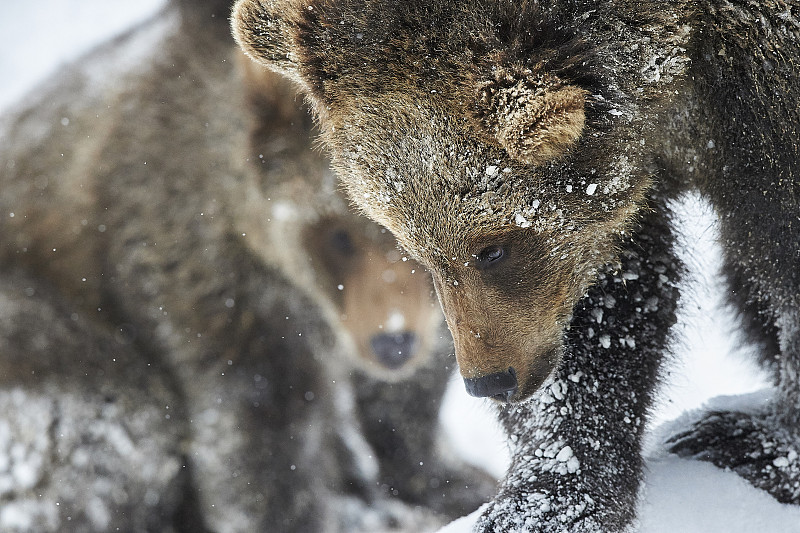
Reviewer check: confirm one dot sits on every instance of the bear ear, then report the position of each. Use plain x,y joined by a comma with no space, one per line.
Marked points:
264,29
535,117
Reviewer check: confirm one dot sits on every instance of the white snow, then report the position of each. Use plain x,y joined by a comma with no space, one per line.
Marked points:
37,37
679,495
521,221
605,341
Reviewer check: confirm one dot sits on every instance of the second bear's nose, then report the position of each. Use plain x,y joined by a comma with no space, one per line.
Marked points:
500,385
393,349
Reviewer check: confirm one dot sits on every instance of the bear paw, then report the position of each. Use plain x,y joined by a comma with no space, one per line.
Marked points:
541,512
754,446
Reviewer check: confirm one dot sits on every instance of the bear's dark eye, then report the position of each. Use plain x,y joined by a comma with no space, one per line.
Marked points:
491,256
341,241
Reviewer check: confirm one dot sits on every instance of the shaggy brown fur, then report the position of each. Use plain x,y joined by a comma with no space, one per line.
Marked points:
526,153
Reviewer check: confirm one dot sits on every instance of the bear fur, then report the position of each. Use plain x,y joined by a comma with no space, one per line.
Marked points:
527,154
182,347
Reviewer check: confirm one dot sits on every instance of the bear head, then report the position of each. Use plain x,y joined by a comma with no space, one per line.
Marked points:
294,215
503,143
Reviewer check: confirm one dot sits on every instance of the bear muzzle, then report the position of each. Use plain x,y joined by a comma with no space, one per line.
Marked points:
500,386
392,350
523,376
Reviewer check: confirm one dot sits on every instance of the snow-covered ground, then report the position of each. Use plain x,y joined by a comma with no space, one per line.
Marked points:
679,496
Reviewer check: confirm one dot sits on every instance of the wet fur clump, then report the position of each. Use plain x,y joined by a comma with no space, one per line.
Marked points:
527,153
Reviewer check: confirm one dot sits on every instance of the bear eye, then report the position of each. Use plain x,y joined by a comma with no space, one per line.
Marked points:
491,256
341,241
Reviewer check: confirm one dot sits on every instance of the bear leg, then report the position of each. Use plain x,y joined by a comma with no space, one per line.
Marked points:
261,422
763,446
401,423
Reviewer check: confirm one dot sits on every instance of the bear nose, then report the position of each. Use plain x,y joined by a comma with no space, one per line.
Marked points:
394,349
500,385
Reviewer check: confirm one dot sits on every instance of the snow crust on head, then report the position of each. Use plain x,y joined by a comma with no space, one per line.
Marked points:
435,185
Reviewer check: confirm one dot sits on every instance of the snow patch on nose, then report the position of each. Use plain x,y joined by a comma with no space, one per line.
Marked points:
396,322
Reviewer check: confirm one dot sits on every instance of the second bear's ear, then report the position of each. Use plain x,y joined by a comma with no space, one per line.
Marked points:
264,29
535,117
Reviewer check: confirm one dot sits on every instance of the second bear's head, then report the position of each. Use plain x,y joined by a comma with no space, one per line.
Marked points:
294,215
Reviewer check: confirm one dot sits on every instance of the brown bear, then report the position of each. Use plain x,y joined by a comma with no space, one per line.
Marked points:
197,334
527,153
380,301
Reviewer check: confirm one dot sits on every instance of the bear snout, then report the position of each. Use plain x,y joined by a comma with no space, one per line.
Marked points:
500,385
392,350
